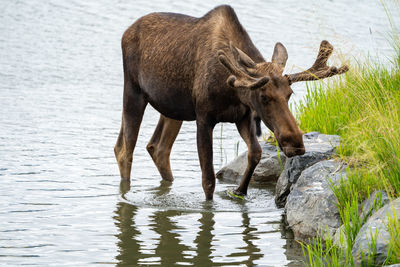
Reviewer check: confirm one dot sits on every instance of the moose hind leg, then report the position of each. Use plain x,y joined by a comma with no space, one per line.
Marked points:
132,114
160,145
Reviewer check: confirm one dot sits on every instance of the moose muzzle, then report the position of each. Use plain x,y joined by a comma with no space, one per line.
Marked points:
291,143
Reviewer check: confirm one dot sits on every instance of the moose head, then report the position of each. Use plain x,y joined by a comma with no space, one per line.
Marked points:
267,91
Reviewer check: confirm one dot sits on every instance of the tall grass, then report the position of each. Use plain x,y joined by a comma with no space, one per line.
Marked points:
394,242
363,107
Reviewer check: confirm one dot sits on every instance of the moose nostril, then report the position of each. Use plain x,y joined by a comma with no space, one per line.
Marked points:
293,151
292,145
291,142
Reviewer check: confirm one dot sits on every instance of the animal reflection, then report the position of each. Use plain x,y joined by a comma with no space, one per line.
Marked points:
168,249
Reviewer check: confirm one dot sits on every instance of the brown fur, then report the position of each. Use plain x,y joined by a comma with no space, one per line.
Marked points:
205,69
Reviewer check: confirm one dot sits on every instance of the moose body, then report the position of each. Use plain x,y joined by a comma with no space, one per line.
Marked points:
206,69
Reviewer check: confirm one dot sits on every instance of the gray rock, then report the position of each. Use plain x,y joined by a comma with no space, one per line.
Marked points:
340,239
376,201
268,169
377,226
318,147
311,205
393,265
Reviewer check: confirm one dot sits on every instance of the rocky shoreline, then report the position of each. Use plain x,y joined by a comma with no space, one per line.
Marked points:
303,190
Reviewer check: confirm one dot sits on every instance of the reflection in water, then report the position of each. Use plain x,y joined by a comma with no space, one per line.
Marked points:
204,239
164,188
128,245
148,236
169,248
248,238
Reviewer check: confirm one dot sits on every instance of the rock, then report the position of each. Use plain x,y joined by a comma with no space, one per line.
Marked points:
340,239
393,265
311,205
377,225
318,147
376,201
268,169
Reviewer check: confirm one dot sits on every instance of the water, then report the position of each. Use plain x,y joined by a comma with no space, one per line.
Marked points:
60,108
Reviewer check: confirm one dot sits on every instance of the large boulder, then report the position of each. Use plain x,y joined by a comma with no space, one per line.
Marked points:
311,204
340,238
376,227
373,203
268,169
318,147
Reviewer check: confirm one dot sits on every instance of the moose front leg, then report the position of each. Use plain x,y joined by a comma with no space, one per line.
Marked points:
205,150
247,131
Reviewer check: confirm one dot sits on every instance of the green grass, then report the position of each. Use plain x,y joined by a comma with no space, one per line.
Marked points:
363,107
318,253
394,242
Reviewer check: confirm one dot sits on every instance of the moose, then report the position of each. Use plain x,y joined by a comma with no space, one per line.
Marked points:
207,69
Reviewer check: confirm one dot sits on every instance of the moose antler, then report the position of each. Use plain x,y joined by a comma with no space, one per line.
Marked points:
319,69
240,78
241,57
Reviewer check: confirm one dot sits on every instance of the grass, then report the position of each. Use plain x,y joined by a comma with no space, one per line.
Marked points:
394,242
363,107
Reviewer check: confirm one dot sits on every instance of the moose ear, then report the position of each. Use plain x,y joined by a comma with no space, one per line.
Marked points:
280,55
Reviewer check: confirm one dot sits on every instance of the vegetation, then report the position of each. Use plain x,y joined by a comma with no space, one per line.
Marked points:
363,107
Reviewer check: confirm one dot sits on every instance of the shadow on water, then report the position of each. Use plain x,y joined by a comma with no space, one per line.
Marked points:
165,245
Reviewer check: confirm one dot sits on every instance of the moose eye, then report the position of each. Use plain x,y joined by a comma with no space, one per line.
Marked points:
264,99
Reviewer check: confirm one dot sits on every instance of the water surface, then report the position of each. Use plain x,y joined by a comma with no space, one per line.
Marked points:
60,108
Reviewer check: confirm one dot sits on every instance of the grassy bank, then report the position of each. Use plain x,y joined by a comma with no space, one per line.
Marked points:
363,107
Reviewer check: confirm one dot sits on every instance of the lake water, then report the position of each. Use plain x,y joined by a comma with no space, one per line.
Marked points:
61,81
